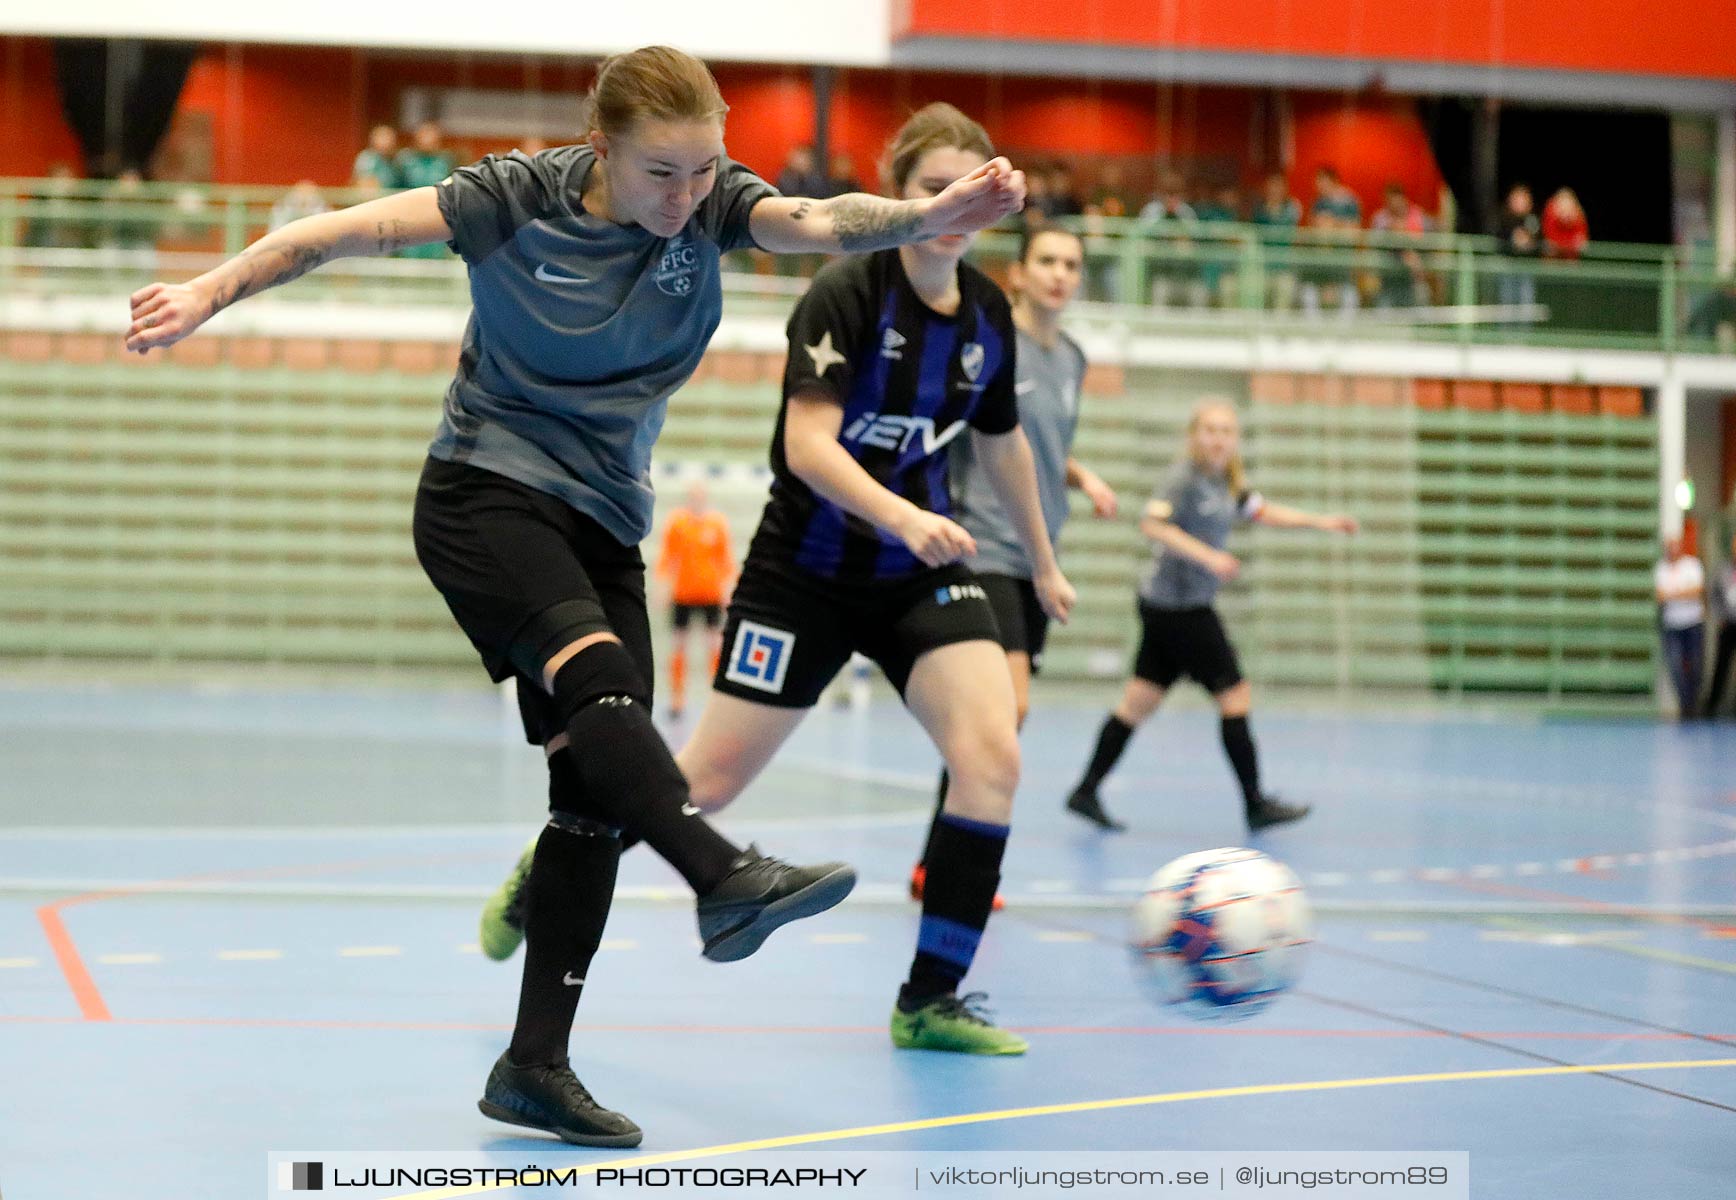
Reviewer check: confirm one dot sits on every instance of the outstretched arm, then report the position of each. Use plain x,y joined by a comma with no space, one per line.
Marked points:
857,221
1279,516
164,313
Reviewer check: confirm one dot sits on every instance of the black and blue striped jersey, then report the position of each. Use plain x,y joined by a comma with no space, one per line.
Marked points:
910,381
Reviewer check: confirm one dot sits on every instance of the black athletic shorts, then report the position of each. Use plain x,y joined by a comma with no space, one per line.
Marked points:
1190,642
1023,623
790,631
525,574
681,615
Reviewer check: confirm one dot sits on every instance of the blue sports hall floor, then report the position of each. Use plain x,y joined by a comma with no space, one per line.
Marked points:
242,920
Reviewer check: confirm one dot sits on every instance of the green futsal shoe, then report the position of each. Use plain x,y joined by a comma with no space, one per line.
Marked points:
502,926
955,1023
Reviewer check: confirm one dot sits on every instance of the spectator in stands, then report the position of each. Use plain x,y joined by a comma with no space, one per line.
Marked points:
1680,583
1168,217
1725,594
841,176
378,159
1713,311
133,228
1333,221
1278,214
425,163
1063,200
1110,197
56,230
1217,271
1403,279
1565,231
1035,214
801,175
1522,240
303,200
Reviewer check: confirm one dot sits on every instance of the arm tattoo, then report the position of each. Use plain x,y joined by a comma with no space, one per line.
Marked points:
393,236
870,223
258,269
801,210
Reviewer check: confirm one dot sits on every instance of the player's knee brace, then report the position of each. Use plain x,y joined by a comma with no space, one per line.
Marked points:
599,673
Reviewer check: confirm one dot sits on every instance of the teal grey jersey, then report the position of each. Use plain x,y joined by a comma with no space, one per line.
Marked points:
1046,387
1200,504
580,328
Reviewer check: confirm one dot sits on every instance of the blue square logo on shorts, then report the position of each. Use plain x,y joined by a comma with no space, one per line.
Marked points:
760,657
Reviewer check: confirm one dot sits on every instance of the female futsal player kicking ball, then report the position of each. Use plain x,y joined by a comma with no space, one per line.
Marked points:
595,284
1188,523
891,358
1051,374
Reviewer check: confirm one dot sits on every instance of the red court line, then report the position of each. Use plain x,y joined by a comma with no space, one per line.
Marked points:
91,1005
1514,891
84,989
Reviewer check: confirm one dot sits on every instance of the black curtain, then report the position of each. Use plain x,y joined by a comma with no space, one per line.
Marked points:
1617,161
119,96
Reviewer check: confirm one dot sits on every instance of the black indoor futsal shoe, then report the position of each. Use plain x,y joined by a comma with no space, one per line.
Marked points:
1085,803
758,895
1272,811
550,1097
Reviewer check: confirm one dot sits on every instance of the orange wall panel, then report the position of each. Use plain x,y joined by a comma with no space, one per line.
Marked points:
1686,38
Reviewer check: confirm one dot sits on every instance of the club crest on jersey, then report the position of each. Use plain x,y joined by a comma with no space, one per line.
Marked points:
971,359
760,657
677,267
888,431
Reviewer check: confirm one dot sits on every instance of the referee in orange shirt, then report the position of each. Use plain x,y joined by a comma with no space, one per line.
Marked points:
699,566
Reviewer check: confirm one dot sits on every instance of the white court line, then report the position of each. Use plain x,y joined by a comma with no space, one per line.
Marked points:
9,963
838,939
370,952
129,960
249,955
617,944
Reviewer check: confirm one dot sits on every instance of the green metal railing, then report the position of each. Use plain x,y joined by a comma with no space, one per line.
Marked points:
60,238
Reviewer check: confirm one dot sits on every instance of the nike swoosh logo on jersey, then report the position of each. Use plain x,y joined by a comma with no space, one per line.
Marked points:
547,276
570,981
688,810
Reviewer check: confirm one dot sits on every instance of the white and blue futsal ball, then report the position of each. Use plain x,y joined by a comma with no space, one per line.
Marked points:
1221,933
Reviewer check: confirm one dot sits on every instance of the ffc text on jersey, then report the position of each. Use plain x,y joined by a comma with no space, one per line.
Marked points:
675,271
760,657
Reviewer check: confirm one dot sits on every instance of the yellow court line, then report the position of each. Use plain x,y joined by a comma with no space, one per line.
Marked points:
1080,1106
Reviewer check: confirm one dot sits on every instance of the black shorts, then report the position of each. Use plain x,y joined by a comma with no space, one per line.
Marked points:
790,632
1190,642
1023,623
525,574
681,615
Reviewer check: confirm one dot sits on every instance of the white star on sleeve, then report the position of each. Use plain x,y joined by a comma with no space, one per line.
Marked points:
823,354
